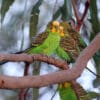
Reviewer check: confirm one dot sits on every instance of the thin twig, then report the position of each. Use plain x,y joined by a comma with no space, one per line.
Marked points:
75,11
78,18
85,11
98,76
54,94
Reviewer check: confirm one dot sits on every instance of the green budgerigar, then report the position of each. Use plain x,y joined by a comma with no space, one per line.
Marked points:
58,40
51,44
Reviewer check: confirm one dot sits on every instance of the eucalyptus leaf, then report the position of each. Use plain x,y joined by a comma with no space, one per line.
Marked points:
36,7
34,19
5,6
96,29
66,10
94,16
33,25
57,14
97,62
94,95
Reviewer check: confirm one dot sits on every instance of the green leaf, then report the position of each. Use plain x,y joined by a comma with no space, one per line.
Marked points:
57,14
36,7
94,95
66,10
96,28
5,6
94,16
33,25
97,62
34,19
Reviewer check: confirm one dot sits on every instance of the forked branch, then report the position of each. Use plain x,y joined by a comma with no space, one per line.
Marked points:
78,18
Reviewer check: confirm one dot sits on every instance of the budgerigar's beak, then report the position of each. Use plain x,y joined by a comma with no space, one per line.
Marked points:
62,34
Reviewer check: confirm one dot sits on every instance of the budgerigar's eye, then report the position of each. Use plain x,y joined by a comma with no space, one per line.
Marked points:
71,22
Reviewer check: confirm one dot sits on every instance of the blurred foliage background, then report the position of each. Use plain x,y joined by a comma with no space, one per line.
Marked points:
21,20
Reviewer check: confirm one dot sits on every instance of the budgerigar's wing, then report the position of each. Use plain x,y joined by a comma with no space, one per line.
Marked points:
48,46
39,39
77,37
69,45
74,34
62,54
72,41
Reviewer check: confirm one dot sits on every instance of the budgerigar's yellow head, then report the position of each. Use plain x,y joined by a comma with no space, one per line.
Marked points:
57,28
56,23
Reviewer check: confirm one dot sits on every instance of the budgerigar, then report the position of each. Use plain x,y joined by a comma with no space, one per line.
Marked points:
60,39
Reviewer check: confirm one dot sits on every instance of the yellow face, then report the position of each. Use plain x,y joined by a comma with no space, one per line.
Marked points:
57,28
56,23
61,31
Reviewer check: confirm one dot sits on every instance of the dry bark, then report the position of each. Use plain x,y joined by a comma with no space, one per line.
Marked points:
11,82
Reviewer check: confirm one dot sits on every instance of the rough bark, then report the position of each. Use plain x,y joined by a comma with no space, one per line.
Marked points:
37,81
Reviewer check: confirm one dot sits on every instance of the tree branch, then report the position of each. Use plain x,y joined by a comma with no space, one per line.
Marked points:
78,18
11,82
75,11
85,11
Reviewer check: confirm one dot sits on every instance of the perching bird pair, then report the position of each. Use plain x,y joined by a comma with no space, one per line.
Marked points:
60,39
